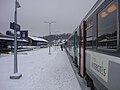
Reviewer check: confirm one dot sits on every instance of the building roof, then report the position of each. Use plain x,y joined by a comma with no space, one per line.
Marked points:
11,38
37,39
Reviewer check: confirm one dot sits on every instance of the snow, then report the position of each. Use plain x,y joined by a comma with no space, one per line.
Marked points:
22,40
3,38
38,39
39,70
11,39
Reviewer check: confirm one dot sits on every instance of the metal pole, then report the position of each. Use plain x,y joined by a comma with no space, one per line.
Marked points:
15,40
49,35
16,75
49,39
55,40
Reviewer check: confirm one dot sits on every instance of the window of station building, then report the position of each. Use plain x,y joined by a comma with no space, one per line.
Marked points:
107,27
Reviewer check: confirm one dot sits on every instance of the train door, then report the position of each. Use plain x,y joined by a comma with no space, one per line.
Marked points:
82,49
76,48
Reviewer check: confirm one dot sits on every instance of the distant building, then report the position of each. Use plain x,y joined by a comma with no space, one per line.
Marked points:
35,41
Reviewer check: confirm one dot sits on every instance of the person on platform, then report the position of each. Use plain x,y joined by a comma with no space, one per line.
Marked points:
61,47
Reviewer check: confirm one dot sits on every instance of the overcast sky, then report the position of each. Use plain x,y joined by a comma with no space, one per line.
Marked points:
33,13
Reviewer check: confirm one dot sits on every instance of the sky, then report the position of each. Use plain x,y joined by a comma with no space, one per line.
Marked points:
33,13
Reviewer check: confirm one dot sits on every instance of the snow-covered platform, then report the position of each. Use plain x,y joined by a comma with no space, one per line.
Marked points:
40,71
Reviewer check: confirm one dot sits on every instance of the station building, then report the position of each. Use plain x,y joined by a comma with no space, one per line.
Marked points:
36,41
7,43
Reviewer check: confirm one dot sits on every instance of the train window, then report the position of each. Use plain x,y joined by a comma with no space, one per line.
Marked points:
70,42
107,27
89,30
89,22
89,38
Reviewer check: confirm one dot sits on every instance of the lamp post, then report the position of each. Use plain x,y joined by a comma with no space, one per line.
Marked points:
55,39
15,40
50,34
16,75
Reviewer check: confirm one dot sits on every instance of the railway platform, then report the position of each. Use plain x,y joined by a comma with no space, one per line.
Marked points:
40,71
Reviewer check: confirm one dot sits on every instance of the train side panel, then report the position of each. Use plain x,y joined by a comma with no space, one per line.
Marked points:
104,70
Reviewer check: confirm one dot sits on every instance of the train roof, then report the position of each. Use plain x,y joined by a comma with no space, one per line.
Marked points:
92,10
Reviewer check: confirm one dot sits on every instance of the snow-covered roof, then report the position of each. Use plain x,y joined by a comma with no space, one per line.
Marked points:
12,39
3,38
22,40
37,39
90,39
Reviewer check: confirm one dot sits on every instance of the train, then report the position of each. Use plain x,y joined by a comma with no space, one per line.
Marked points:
95,46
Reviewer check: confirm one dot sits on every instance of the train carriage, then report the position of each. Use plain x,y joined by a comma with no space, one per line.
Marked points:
95,46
